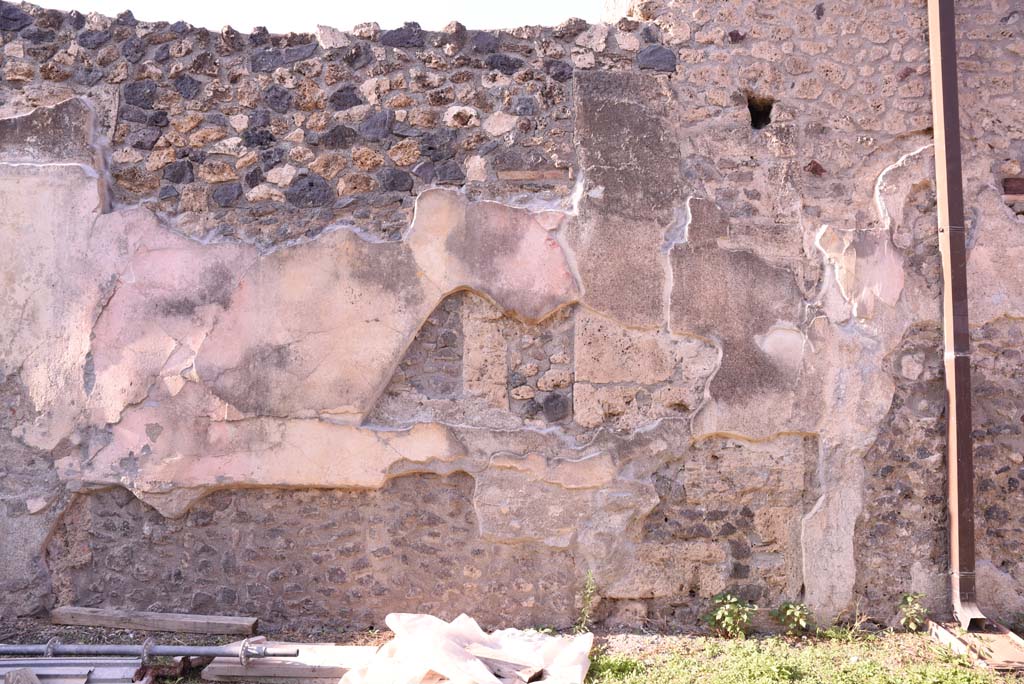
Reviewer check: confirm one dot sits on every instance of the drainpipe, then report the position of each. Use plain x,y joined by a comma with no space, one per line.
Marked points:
955,330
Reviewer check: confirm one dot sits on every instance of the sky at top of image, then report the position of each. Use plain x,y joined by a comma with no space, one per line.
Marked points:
304,16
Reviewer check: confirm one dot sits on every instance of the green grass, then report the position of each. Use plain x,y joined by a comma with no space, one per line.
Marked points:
881,659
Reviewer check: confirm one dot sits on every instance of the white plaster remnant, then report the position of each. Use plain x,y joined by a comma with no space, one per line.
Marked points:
880,185
784,343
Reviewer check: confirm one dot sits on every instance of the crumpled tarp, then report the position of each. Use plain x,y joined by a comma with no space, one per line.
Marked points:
427,649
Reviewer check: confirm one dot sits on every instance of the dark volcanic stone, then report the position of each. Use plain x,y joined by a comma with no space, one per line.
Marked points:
650,34
179,172
438,145
524,105
50,19
88,76
378,125
297,53
356,56
344,98
140,93
133,50
270,158
259,118
556,407
506,64
167,192
257,137
449,172
133,114
404,130
259,36
277,98
424,170
532,408
558,70
12,18
163,53
76,19
309,191
93,39
410,35
254,177
226,194
339,137
395,179
187,86
217,119
41,53
266,60
159,119
36,35
144,138
656,57
483,43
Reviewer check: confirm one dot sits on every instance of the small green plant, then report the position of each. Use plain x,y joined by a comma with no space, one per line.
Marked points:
730,615
587,597
794,617
912,612
611,668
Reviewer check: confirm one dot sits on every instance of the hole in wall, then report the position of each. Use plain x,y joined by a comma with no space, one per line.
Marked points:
760,110
1013,194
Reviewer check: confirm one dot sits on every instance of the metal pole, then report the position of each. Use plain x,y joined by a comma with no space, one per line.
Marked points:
955,329
243,651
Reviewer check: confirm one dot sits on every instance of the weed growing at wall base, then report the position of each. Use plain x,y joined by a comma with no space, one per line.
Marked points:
730,615
587,597
794,617
912,612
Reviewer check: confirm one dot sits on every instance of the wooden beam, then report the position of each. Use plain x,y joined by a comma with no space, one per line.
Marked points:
157,622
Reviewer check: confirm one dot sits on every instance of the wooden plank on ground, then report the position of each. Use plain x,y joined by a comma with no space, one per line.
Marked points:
995,647
159,622
314,662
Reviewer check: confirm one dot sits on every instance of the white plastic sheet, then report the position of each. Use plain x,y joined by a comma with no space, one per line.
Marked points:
428,650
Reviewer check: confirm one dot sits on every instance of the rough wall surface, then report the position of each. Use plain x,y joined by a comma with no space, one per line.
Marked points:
318,327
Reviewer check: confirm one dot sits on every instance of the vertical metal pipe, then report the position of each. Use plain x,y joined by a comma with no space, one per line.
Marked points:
955,328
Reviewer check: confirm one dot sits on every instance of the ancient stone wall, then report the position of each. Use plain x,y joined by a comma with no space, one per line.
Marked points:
318,327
